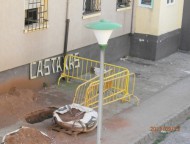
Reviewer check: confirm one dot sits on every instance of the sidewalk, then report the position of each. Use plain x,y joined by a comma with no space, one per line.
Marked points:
163,88
155,111
165,102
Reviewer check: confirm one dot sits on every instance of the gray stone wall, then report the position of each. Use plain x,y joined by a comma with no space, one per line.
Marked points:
154,47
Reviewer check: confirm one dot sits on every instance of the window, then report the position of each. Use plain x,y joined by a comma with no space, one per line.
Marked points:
31,16
123,3
36,15
170,2
146,3
91,6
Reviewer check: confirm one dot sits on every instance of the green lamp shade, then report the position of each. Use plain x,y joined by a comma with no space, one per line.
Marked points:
103,25
103,30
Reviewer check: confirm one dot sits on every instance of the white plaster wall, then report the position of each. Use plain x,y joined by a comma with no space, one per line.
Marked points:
79,36
147,19
159,19
170,16
18,48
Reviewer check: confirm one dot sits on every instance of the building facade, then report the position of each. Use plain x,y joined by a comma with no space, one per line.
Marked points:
157,29
32,34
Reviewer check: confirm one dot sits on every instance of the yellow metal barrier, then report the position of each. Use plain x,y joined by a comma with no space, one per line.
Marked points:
83,68
116,87
118,82
80,92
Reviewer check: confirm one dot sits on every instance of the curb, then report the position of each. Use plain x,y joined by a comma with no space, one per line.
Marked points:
174,120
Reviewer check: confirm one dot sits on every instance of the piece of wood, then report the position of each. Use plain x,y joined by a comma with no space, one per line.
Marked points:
58,128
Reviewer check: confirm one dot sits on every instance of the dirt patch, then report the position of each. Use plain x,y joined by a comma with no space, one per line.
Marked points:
116,123
16,104
40,115
72,115
27,136
23,83
14,91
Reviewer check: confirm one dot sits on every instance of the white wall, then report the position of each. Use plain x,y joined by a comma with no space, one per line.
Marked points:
18,48
170,16
159,19
79,36
147,19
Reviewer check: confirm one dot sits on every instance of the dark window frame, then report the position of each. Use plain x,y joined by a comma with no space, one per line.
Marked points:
146,3
123,3
36,15
31,16
91,6
170,2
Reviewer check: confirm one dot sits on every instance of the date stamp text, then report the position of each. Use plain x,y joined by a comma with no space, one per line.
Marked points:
165,128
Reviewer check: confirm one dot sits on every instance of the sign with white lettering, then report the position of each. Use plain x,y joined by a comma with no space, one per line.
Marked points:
52,65
72,62
45,67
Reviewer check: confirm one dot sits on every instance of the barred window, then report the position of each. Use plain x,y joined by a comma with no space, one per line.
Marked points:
123,3
36,14
91,6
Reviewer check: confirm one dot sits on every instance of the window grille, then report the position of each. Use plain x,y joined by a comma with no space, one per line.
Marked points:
36,14
123,3
91,6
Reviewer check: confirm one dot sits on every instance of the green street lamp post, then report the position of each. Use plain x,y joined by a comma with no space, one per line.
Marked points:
102,30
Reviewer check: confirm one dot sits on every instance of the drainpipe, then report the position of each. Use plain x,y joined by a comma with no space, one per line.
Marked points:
132,16
66,30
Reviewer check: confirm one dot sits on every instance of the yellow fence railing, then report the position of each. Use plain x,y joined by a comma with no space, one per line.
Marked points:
81,90
83,68
118,82
116,87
